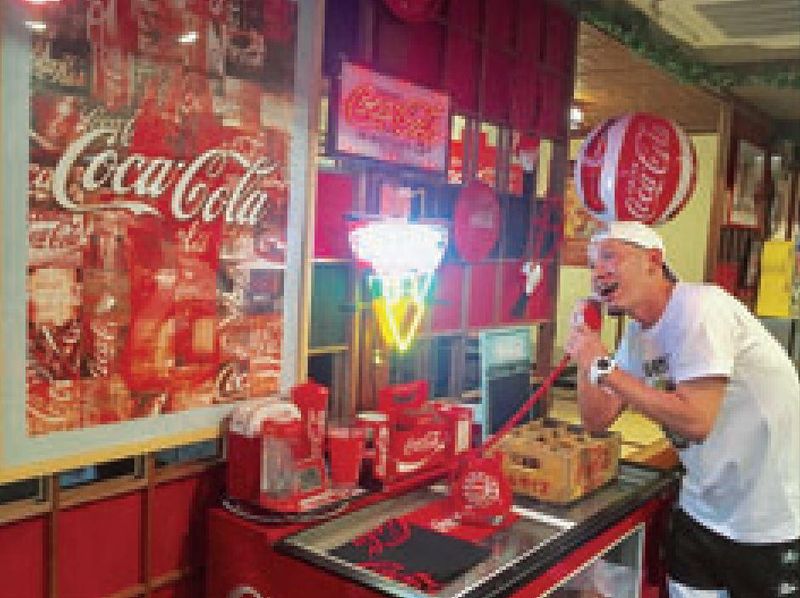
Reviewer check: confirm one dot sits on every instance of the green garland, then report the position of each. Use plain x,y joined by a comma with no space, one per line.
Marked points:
634,30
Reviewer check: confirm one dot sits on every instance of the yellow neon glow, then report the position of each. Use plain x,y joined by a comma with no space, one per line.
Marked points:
392,315
400,307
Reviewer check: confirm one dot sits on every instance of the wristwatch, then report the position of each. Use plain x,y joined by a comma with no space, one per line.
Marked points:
600,368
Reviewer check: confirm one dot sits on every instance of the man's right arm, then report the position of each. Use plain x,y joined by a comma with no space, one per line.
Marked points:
599,406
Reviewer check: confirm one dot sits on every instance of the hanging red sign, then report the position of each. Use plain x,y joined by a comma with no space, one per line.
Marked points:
388,119
476,222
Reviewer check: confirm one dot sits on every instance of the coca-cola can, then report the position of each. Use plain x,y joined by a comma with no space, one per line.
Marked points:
460,423
376,426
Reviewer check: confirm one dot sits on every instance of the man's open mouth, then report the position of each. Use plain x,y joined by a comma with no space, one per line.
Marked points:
605,289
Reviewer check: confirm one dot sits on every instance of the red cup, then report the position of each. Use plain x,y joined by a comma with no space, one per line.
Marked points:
346,449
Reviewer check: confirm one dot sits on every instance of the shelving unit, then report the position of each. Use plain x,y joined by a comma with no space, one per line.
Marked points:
508,67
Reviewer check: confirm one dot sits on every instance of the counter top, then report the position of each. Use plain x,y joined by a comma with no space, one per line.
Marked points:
540,537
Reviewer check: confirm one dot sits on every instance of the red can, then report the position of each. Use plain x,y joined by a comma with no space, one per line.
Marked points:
376,427
312,400
459,418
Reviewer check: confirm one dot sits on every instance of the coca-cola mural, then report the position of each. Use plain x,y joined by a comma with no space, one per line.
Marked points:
157,207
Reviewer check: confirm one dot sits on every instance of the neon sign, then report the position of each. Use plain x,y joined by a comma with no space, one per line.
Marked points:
373,110
402,276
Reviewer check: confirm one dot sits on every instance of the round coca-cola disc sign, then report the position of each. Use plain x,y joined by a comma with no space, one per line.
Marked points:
414,11
636,167
476,222
588,167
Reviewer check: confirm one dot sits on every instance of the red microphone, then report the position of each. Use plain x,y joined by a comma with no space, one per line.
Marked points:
592,314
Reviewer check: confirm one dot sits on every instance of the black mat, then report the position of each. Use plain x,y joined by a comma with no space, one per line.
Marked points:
412,555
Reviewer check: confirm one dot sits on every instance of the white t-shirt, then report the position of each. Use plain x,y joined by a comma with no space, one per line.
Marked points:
743,480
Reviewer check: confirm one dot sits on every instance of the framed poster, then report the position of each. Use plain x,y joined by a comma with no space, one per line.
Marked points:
748,185
154,184
390,120
781,204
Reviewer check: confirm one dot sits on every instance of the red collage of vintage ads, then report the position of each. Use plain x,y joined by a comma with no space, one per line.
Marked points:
157,207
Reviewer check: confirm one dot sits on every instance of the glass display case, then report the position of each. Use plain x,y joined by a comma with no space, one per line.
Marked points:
512,556
614,573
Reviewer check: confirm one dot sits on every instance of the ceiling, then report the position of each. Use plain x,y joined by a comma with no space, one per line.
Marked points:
612,80
743,35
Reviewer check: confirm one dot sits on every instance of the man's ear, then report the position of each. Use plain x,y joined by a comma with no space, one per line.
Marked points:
654,260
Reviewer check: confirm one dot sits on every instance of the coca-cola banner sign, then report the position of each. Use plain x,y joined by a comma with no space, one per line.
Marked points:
383,118
150,290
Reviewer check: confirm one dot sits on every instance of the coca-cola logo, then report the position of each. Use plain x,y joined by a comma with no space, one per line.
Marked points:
53,234
430,442
412,120
147,179
484,219
481,489
648,172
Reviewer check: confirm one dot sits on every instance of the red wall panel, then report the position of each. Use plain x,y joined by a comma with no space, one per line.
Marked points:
411,52
446,311
524,109
179,524
553,104
425,55
496,93
462,64
500,23
529,30
98,549
334,201
22,558
482,284
465,14
558,43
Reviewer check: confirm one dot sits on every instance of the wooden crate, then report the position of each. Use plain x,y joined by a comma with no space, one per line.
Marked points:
559,463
